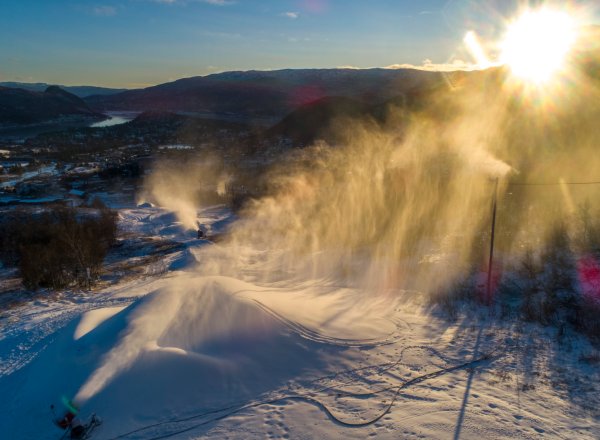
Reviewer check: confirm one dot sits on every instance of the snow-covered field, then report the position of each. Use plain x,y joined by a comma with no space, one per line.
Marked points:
178,354
44,171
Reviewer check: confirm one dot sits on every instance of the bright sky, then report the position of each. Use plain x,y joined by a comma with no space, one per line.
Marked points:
135,43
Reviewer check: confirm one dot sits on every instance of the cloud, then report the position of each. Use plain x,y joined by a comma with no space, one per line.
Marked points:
437,67
292,15
426,65
104,11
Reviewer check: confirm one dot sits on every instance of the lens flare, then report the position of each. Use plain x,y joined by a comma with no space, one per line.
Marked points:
476,50
537,44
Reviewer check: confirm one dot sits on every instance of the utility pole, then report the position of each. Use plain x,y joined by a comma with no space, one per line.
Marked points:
491,261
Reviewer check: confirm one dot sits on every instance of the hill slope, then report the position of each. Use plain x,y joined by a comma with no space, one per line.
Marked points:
268,93
18,106
314,120
189,356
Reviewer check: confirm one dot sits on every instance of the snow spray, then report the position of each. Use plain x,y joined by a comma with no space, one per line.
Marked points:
403,203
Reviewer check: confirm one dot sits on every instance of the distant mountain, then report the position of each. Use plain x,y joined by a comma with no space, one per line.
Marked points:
268,93
18,106
81,91
321,119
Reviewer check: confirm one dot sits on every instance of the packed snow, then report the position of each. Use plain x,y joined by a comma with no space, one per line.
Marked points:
181,354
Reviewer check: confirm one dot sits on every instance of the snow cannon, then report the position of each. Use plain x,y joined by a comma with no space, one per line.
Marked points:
71,424
69,415
69,420
201,233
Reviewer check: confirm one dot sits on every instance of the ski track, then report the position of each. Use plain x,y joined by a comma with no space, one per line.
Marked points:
30,339
315,336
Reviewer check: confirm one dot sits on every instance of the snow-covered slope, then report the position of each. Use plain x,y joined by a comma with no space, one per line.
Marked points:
196,356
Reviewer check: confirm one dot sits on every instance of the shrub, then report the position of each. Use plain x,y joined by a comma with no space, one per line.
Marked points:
60,247
529,273
588,228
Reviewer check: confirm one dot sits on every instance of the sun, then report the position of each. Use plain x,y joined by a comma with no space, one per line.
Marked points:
537,43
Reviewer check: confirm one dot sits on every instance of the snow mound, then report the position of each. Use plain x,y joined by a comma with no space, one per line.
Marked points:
92,319
200,343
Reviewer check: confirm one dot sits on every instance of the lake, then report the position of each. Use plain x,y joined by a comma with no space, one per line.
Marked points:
115,118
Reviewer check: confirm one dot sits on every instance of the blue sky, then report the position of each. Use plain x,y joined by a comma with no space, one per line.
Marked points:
134,43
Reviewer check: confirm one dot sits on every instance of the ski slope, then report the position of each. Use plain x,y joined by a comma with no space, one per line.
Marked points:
185,355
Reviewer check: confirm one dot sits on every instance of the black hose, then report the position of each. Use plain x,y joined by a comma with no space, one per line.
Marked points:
308,398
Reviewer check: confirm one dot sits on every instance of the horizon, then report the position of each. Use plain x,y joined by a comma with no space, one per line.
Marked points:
424,68
141,43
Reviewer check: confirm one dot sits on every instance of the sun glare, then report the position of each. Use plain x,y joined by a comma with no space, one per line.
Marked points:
537,44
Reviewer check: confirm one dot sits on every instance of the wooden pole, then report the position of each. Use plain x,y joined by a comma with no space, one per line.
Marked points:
491,260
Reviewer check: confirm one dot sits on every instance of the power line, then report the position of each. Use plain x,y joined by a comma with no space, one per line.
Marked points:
551,183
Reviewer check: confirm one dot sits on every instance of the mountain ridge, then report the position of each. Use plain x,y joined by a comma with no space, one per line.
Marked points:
80,91
19,106
268,93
